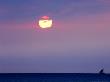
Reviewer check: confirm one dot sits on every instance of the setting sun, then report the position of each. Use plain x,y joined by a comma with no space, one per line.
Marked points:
45,22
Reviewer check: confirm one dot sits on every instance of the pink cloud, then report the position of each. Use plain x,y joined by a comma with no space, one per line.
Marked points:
94,21
98,21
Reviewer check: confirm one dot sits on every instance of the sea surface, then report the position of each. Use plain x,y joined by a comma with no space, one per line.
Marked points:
54,77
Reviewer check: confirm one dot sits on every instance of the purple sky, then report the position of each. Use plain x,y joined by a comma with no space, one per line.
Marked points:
78,42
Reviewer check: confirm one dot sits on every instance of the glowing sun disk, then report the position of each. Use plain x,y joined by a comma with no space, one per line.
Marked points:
45,22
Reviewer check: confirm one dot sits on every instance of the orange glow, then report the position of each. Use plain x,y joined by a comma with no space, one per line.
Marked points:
45,22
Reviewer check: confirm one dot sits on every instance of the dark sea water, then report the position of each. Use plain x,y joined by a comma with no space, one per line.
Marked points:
54,77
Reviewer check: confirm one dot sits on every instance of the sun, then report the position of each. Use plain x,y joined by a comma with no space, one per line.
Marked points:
45,22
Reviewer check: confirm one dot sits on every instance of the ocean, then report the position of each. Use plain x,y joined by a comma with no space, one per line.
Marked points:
54,77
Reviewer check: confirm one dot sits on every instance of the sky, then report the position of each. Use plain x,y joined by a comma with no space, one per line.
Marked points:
78,42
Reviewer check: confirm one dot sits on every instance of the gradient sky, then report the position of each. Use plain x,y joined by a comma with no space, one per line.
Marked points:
78,42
